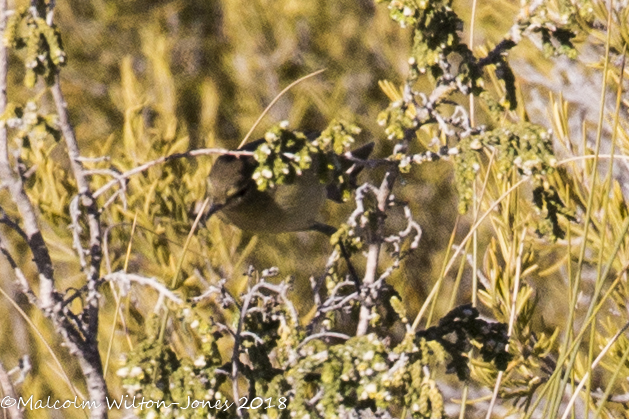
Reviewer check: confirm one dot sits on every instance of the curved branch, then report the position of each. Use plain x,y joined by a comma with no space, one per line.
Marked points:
164,159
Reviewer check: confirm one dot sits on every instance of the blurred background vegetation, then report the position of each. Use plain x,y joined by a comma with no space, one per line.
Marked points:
147,78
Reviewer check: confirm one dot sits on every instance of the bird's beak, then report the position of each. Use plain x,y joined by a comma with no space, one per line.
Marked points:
214,208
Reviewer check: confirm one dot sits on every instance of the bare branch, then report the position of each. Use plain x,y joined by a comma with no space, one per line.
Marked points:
323,335
124,281
13,182
87,201
373,252
4,219
21,278
148,165
75,213
81,341
9,392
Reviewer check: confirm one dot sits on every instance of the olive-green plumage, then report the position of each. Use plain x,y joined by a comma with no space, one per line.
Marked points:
283,208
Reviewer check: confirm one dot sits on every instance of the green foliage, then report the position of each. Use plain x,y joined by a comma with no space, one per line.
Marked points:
435,26
338,136
524,149
32,128
396,119
44,50
154,371
285,154
281,157
309,377
547,200
557,32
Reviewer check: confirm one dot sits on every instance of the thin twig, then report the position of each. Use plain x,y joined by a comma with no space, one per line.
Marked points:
462,246
514,309
164,159
9,393
124,279
585,377
274,101
82,340
323,335
19,274
373,252
41,255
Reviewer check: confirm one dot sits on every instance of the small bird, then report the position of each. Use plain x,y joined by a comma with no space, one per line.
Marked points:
284,208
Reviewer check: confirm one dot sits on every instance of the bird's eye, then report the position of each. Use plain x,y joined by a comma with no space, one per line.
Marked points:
236,193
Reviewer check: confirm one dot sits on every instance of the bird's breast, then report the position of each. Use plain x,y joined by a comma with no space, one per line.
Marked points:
285,208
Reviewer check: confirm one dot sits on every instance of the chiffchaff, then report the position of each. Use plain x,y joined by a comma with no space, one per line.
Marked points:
283,208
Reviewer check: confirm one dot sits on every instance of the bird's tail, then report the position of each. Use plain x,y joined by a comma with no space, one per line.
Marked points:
351,164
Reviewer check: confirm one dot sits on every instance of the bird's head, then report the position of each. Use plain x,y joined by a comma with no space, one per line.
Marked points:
230,181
